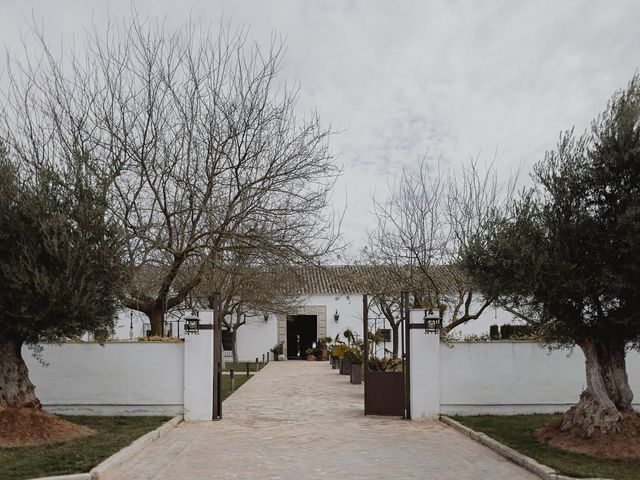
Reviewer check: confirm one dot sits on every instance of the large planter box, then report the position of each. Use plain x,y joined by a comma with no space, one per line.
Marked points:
356,374
346,366
384,393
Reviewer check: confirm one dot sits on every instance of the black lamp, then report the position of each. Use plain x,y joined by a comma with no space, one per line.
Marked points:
192,323
266,317
432,322
336,316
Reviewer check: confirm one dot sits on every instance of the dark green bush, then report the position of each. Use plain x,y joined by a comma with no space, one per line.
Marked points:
506,331
494,332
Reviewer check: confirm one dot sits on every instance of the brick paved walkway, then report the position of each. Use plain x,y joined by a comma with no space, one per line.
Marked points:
299,420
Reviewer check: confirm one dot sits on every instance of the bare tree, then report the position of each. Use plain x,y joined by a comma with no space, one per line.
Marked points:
249,287
422,224
195,145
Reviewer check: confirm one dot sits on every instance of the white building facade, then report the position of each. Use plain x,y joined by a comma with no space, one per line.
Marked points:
330,301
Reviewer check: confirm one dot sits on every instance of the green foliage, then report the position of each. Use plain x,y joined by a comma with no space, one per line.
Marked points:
158,338
278,349
339,350
354,354
565,255
61,259
494,332
385,364
506,331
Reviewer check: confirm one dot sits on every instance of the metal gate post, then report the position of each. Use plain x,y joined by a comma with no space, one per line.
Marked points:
365,323
217,359
407,355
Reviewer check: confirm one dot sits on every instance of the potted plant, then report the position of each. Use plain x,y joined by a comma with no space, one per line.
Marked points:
323,346
277,350
336,354
311,354
354,356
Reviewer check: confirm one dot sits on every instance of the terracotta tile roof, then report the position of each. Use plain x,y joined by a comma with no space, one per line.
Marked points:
337,279
334,279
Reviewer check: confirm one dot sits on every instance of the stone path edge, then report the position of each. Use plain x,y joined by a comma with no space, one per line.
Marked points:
121,455
542,471
130,450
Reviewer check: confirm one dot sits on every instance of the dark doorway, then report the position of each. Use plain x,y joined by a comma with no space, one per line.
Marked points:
301,334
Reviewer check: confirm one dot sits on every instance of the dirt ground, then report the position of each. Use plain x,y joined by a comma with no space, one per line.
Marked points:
625,444
20,427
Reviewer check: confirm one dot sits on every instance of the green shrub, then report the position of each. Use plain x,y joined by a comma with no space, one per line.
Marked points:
494,332
354,354
338,351
158,338
506,331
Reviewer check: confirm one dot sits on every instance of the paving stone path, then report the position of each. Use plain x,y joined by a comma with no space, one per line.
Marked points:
301,420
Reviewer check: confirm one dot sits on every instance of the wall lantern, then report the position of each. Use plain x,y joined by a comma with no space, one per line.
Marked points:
432,323
192,323
336,316
266,317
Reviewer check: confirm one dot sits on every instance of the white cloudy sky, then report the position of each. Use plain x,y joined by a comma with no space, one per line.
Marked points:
398,78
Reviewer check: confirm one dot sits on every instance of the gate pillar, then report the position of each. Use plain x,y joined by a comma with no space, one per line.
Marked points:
424,369
198,371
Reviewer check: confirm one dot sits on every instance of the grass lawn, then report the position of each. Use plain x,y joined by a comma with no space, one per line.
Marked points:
226,384
517,431
77,456
241,367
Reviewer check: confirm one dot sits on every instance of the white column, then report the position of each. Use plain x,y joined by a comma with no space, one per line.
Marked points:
198,372
425,371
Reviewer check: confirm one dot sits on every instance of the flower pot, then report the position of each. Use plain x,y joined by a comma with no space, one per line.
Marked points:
334,363
340,366
346,366
311,358
325,353
356,374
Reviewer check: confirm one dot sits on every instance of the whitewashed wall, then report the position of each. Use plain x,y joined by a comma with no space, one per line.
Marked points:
490,316
257,337
127,378
348,306
515,377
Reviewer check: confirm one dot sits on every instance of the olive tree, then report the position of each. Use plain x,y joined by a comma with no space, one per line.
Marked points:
60,271
565,256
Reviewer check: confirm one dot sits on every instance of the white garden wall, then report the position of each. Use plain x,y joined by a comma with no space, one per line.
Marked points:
514,377
126,378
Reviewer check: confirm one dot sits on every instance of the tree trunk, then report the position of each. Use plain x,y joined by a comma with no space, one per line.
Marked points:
16,390
156,319
607,395
234,345
395,330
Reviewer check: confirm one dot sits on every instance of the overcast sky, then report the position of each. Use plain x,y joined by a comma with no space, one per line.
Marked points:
400,78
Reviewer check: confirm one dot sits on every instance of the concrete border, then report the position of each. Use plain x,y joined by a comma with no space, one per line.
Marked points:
129,451
73,476
528,463
121,455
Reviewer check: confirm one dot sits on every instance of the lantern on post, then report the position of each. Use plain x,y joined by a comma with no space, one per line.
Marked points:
192,323
432,322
